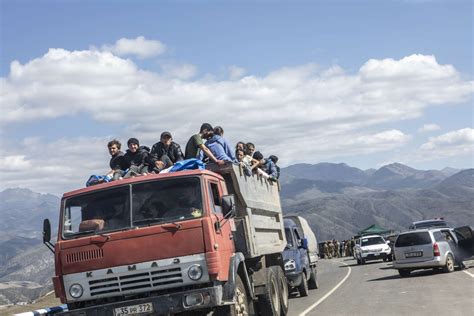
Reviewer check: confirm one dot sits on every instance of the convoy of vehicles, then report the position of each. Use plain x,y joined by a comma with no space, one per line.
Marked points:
197,240
300,255
371,247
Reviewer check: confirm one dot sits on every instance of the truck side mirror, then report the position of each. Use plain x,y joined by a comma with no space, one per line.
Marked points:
47,235
228,205
46,231
304,243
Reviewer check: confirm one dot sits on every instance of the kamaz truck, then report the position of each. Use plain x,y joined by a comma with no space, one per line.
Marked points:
187,242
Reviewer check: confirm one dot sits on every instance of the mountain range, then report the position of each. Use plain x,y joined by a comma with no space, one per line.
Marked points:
337,200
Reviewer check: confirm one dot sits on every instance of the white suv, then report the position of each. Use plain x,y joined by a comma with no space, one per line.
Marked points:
372,247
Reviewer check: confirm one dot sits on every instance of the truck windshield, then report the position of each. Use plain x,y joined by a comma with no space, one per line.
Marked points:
152,202
166,201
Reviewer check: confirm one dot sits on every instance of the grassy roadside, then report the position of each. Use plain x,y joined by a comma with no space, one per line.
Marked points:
43,302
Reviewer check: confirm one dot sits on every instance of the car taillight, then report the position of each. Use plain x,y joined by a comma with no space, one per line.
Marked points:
436,250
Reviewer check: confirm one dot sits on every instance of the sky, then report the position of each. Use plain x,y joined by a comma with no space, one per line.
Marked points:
366,83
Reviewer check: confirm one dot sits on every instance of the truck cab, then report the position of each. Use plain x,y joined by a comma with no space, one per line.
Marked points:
300,268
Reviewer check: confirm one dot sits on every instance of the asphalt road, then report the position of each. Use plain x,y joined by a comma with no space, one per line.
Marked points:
377,289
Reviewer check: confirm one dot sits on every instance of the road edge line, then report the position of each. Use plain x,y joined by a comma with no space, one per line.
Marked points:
468,273
328,293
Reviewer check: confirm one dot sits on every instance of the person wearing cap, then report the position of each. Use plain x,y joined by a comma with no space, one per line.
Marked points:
195,144
136,158
164,153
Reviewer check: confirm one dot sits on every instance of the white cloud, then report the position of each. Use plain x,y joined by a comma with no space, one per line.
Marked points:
13,163
428,128
236,72
302,113
179,71
454,143
140,47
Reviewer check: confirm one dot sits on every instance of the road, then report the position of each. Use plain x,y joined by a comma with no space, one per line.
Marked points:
377,289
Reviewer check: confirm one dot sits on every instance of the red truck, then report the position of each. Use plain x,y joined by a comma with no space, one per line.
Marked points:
185,242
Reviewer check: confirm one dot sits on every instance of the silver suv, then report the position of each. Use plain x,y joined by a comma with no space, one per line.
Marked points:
426,249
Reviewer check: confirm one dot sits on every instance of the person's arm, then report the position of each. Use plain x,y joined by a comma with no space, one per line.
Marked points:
178,152
210,155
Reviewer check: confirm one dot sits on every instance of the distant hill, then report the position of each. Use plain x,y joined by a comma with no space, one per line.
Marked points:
26,266
337,209
324,171
398,176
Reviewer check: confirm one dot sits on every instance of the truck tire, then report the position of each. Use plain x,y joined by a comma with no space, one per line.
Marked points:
269,302
241,302
303,287
313,279
283,289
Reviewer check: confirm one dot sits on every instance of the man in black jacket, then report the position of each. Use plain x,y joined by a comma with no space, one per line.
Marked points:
165,153
117,162
136,158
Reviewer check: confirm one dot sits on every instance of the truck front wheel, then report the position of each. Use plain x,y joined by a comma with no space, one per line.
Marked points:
303,287
313,279
269,302
241,303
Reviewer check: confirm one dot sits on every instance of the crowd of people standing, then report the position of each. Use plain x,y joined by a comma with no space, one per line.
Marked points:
337,249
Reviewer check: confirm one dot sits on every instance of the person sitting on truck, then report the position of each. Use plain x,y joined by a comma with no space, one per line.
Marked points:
117,162
275,160
164,153
249,149
244,161
136,158
195,144
219,146
258,163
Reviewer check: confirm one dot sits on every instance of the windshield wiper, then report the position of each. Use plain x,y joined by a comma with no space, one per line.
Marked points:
148,220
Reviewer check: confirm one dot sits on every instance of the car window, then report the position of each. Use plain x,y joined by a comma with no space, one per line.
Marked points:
372,241
438,236
413,239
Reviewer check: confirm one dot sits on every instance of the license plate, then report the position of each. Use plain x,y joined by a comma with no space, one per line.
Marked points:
414,254
134,309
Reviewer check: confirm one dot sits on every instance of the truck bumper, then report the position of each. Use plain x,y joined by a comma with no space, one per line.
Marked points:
294,278
162,304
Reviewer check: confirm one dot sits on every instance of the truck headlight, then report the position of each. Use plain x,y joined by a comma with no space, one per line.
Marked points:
290,265
76,290
195,272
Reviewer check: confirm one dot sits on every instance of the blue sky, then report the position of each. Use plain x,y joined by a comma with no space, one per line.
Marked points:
361,82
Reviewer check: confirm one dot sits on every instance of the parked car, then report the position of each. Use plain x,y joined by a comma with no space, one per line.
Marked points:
433,248
372,247
300,255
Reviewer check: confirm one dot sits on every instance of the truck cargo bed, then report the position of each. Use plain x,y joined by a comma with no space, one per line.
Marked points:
259,220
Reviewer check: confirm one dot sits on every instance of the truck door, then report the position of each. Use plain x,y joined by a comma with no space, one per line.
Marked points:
302,251
223,231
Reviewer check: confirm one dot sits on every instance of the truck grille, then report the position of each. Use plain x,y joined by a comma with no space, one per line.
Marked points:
131,283
87,255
